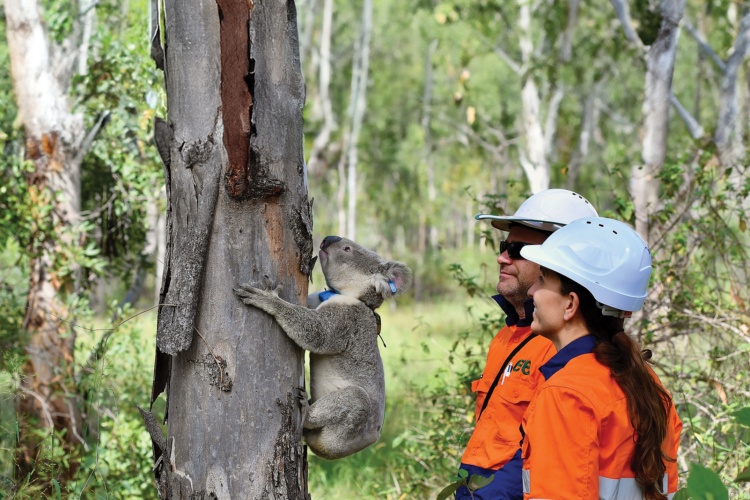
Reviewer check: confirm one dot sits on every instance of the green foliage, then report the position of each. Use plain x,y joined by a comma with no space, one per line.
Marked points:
704,484
648,17
472,482
469,135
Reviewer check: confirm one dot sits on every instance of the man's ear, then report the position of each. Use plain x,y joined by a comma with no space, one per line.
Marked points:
572,306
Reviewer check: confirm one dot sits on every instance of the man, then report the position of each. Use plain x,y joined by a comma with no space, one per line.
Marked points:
511,373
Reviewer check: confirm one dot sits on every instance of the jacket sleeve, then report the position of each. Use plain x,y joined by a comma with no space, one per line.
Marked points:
560,448
673,444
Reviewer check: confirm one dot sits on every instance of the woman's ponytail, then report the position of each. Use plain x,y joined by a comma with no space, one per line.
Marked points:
648,402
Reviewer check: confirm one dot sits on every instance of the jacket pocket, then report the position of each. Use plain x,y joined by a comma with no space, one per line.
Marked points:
508,404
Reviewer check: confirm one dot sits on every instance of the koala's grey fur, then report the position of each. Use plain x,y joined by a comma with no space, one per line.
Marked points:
347,382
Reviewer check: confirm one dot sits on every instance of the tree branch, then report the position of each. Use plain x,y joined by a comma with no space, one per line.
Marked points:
704,47
623,14
88,140
513,65
694,128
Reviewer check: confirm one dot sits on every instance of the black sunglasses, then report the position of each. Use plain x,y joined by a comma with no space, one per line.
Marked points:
513,248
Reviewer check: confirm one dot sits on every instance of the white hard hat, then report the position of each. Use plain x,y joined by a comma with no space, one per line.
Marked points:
547,210
605,256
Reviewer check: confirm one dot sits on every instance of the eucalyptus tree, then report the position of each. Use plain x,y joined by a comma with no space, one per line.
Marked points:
56,141
238,212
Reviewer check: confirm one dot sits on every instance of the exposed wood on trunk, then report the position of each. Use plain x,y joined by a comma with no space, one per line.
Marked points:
53,139
234,88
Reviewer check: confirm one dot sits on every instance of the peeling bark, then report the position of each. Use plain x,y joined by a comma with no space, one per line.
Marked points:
237,211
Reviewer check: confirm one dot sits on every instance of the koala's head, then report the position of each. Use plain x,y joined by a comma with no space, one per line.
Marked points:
358,272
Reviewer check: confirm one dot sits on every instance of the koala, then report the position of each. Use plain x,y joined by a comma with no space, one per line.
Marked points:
340,329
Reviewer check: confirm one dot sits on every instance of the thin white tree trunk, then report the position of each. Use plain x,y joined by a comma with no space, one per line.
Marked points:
341,190
644,183
533,156
88,13
322,140
728,135
53,140
589,119
427,157
358,104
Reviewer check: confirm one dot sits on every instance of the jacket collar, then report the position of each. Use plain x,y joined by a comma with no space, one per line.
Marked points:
582,345
511,316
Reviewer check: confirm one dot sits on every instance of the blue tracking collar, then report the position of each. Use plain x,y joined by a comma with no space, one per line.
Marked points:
327,294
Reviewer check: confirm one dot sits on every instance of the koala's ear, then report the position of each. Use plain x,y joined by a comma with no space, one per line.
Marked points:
399,275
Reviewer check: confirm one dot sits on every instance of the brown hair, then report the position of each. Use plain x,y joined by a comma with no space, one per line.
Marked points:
648,402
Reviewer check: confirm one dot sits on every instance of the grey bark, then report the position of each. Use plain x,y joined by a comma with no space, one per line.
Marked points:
589,122
623,14
705,49
321,143
644,183
357,106
728,134
237,211
426,123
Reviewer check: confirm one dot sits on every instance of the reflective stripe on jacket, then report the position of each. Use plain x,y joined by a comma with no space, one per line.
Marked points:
578,437
494,446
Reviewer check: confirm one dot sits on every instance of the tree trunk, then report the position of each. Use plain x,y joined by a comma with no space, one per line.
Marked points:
728,135
237,212
318,158
53,140
357,106
644,183
533,156
427,157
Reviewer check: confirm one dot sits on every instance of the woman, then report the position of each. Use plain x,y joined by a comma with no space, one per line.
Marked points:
601,425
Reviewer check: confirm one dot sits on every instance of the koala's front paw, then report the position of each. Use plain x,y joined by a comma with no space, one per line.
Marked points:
249,294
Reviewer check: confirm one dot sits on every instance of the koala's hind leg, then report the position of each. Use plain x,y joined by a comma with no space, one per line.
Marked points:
341,423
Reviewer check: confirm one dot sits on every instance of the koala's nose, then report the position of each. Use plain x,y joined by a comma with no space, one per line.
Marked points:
329,240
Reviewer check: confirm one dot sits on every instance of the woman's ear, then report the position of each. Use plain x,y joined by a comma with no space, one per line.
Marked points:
572,306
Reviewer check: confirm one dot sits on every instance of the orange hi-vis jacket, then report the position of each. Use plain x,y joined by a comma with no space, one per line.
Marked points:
494,446
578,439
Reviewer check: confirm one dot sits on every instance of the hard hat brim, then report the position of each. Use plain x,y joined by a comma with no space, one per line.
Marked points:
621,301
504,223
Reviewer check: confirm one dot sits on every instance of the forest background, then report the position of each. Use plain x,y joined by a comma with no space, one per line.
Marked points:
419,114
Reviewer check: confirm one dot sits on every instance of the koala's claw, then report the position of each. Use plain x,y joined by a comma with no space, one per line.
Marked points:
246,290
303,403
301,394
267,284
